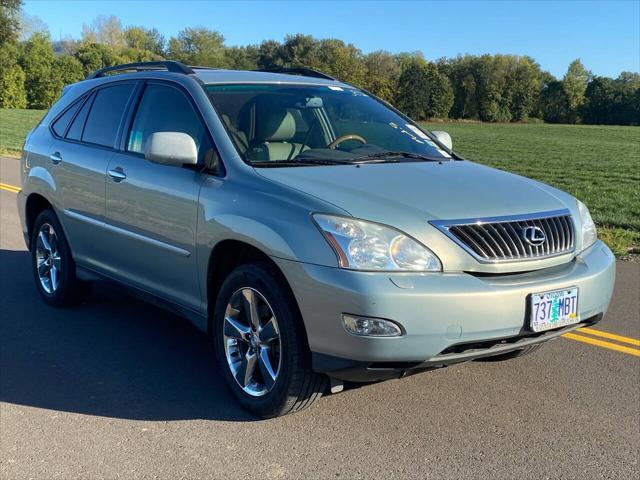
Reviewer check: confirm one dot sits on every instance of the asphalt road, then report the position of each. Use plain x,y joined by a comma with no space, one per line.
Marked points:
115,388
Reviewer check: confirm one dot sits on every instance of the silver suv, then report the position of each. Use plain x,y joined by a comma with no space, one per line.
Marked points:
316,233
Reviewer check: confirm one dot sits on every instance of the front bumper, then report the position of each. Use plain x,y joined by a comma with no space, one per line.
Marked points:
436,310
21,200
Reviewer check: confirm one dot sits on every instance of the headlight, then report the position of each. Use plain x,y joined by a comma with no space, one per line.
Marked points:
589,234
363,245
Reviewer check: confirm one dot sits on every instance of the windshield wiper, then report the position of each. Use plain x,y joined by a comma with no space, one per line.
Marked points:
299,162
391,155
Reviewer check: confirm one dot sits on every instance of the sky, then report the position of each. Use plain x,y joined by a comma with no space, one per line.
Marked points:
605,35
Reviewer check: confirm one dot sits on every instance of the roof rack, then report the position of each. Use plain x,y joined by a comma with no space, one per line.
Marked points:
169,65
202,67
302,71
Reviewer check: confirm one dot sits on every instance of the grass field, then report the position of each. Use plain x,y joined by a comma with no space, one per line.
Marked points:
600,165
14,125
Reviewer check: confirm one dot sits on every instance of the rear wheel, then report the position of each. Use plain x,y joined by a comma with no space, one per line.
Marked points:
515,354
261,345
53,267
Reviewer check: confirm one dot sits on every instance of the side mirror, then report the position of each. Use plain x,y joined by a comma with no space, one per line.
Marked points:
171,148
444,138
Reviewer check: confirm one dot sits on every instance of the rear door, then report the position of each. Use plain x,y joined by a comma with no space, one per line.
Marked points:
86,139
152,209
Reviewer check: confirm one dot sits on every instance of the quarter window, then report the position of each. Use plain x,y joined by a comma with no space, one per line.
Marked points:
75,131
105,115
61,124
166,109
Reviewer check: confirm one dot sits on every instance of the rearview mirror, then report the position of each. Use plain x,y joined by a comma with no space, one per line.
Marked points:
171,148
444,138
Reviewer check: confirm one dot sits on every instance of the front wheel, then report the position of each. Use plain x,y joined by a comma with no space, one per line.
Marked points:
260,343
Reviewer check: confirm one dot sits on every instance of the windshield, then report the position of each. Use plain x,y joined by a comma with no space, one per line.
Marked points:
274,125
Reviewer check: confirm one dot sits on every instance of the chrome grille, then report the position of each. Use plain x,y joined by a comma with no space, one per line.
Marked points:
514,238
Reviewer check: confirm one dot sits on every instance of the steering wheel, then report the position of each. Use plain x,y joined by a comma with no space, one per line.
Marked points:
344,138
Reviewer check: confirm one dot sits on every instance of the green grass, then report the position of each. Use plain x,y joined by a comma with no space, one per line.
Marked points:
14,126
599,165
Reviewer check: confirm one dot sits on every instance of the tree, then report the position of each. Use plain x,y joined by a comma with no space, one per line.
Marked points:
413,90
329,55
423,92
12,93
129,55
298,51
382,74
634,108
526,79
9,20
575,83
493,88
68,70
338,59
629,109
147,39
242,58
612,102
106,30
545,80
93,56
198,46
37,60
554,104
270,55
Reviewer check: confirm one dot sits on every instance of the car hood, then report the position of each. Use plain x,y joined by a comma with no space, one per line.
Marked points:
409,195
391,192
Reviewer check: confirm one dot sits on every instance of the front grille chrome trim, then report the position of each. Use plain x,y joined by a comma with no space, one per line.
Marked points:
498,239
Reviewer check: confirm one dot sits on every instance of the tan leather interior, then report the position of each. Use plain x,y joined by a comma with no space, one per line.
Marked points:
270,129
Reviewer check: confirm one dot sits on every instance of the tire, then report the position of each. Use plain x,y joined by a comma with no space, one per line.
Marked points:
296,385
62,288
515,354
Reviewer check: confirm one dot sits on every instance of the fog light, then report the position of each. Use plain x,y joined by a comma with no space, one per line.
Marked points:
370,327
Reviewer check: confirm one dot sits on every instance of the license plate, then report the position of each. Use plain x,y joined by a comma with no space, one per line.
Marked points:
554,309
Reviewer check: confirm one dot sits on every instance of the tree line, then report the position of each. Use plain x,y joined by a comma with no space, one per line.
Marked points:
491,88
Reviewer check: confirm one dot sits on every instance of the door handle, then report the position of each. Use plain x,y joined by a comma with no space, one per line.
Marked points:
55,158
117,174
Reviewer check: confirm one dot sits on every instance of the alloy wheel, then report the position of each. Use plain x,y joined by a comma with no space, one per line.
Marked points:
252,342
48,260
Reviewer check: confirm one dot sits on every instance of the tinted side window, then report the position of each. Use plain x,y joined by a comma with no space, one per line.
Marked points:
61,124
166,109
105,115
75,131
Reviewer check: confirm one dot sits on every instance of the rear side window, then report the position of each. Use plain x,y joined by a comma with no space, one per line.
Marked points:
166,109
105,115
75,131
61,124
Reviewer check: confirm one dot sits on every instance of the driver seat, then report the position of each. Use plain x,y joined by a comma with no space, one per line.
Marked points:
274,128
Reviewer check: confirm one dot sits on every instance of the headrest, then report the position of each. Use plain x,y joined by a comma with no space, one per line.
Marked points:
275,125
226,119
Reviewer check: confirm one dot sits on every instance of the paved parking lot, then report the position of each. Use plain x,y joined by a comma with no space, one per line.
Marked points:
115,388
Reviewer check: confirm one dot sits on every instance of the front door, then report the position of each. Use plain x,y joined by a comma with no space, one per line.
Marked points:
152,209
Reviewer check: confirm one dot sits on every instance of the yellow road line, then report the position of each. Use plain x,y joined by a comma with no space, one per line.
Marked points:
610,336
603,344
9,188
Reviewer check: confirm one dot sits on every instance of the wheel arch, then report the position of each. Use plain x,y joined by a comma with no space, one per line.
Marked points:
34,206
224,258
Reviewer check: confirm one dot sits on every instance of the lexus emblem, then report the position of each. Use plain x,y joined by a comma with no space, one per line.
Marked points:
534,236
